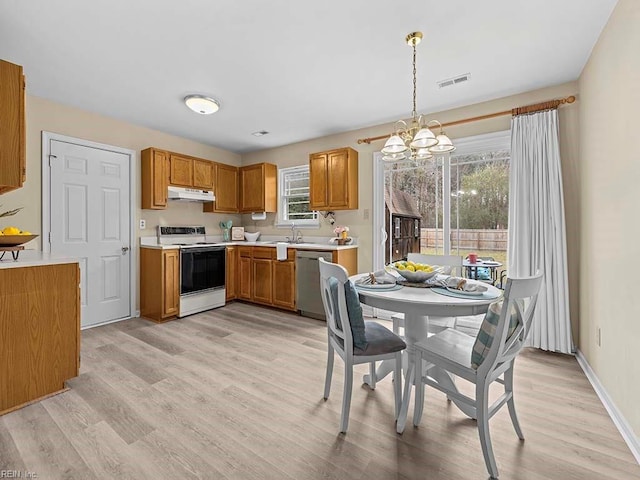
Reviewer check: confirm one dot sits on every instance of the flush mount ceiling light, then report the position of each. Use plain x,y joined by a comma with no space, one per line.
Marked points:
201,104
415,140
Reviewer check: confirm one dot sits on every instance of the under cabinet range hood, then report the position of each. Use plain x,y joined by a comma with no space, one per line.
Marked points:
190,194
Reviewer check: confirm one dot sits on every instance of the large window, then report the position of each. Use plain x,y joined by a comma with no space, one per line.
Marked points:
462,199
294,198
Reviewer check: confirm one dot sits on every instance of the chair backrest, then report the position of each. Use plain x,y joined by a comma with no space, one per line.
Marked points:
452,262
520,294
335,308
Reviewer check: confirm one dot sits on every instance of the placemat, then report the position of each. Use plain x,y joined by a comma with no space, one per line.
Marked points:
449,293
376,289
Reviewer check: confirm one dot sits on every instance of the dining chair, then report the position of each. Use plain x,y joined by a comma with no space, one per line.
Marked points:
453,266
488,358
374,341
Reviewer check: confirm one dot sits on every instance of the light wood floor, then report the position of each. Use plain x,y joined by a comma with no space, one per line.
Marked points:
236,393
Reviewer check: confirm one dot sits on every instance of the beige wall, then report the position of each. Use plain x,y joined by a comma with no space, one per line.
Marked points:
298,154
610,194
44,115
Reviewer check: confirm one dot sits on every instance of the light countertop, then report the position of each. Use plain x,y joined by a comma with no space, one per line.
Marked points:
34,258
296,246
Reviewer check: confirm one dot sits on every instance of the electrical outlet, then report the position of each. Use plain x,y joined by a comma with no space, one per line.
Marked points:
143,224
599,337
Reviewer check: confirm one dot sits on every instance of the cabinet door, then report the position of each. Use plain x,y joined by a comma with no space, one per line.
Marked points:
181,171
203,174
12,127
284,284
171,282
231,266
338,179
244,282
252,188
318,181
226,188
155,178
262,281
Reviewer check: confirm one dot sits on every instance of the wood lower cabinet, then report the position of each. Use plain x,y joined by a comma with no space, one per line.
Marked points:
333,179
155,178
244,273
39,332
263,279
231,269
13,166
284,284
259,188
159,283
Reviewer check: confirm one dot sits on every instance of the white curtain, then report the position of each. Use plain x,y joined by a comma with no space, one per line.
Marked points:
537,237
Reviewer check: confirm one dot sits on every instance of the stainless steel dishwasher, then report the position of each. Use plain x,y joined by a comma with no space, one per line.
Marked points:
308,297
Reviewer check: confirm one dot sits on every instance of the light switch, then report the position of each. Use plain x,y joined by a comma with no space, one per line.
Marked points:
365,214
143,224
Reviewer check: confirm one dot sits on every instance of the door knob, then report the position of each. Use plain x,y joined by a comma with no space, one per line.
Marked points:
125,250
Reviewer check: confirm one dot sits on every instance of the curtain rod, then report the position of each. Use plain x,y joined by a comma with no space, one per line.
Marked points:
538,107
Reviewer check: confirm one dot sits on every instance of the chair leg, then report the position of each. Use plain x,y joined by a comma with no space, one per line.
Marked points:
406,396
372,375
346,396
419,398
327,379
508,387
397,383
482,411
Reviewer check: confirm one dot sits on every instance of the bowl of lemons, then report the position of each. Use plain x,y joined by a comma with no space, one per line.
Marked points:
13,236
415,272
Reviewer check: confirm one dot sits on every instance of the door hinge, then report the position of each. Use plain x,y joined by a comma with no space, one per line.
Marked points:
49,237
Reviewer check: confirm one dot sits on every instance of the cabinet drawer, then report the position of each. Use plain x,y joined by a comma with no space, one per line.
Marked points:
245,251
264,252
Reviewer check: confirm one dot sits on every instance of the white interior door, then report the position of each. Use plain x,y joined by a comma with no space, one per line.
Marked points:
90,220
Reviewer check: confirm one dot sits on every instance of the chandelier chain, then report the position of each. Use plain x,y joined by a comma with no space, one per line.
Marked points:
415,111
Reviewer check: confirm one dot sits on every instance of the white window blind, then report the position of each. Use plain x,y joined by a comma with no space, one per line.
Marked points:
294,197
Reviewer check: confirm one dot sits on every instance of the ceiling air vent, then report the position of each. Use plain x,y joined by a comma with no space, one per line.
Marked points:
454,81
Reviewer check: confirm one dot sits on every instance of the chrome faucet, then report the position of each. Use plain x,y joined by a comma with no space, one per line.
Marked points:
296,236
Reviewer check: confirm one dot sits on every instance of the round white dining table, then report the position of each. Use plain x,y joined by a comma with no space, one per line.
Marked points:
418,304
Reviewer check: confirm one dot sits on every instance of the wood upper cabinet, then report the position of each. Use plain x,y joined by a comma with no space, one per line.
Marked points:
333,179
231,269
181,170
159,283
203,174
13,170
225,181
155,178
259,188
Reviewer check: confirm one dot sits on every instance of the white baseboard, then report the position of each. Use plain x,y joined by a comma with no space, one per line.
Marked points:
616,415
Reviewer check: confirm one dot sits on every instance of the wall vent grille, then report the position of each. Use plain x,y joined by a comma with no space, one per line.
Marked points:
454,81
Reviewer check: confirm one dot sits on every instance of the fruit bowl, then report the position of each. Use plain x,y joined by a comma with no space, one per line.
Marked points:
15,240
419,276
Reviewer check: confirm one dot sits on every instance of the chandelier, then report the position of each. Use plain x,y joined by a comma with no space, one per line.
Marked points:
415,141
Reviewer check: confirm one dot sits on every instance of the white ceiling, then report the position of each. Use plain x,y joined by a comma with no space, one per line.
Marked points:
298,69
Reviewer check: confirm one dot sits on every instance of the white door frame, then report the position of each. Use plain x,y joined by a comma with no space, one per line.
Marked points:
47,137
